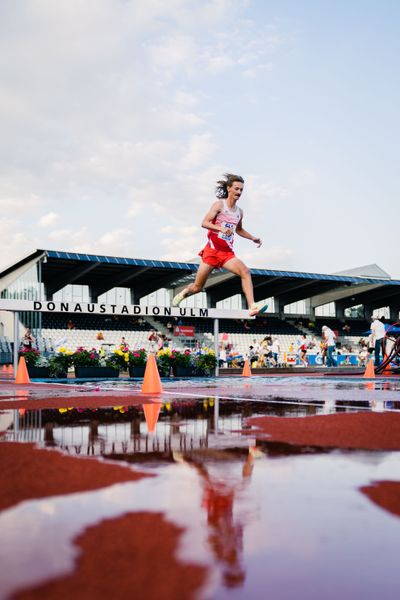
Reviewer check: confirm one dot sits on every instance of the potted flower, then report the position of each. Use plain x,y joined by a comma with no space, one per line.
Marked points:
88,364
36,364
59,363
182,363
118,359
137,360
206,362
163,359
133,361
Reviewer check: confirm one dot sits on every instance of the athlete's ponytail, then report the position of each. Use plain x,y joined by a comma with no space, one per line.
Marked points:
221,190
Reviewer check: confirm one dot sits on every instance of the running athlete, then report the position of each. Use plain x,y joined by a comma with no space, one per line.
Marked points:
222,221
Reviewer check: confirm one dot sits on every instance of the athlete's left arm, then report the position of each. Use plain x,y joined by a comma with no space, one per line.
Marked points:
245,234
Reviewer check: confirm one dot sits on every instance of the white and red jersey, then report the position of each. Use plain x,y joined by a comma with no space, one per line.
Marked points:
229,218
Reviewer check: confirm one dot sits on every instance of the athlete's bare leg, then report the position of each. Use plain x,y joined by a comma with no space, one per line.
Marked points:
203,272
236,266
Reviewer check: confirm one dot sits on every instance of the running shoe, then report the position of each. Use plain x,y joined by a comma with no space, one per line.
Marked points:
255,309
178,299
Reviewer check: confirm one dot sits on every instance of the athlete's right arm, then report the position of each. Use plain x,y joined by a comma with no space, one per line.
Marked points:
207,222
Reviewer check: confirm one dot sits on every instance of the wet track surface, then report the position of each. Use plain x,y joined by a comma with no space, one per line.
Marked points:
268,519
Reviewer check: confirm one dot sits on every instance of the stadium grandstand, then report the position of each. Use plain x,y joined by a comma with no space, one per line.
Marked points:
299,303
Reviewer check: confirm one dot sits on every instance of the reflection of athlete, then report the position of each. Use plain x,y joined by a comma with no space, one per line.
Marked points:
225,534
222,221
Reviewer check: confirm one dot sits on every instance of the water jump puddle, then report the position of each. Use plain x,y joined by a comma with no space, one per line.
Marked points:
263,518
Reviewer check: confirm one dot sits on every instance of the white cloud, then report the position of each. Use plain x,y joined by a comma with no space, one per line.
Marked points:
110,115
200,150
14,243
255,71
274,257
175,51
183,247
117,238
48,219
136,208
14,199
303,177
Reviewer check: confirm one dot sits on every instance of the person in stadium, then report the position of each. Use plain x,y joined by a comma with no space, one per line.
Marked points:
378,331
329,336
28,340
222,221
123,345
302,350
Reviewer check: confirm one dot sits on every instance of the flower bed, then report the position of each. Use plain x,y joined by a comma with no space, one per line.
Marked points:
31,356
125,359
206,362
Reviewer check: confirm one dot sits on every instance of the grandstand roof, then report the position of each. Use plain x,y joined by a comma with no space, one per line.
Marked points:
102,273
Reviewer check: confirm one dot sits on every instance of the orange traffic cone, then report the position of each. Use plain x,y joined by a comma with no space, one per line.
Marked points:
151,412
246,369
151,380
10,369
370,370
4,368
22,372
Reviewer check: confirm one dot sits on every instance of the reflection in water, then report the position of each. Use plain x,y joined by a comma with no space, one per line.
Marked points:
285,520
198,434
226,530
151,413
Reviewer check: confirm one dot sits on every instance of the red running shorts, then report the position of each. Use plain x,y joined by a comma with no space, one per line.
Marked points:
215,258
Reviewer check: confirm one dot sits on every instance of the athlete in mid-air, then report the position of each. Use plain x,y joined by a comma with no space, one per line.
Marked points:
222,221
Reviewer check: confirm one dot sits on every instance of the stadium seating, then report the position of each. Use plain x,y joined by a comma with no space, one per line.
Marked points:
6,350
240,334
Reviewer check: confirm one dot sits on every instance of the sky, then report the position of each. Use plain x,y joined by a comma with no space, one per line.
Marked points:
117,117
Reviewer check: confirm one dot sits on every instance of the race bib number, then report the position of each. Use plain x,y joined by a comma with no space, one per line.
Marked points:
227,238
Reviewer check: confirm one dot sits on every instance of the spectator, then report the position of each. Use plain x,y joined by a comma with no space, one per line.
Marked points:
371,343
323,350
162,341
302,349
329,336
153,338
312,343
124,346
362,356
276,349
100,336
28,340
222,358
266,353
70,325
378,330
270,355
253,357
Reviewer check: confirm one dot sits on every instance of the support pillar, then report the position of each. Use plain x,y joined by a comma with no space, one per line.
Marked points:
135,298
16,342
368,310
279,307
210,300
339,310
394,313
216,345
